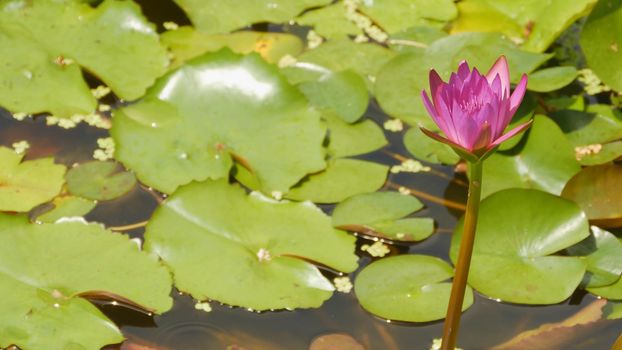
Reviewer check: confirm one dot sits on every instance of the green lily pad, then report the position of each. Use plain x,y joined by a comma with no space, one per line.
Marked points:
611,291
538,23
518,230
366,59
215,108
550,79
344,92
48,270
596,125
247,250
428,149
379,214
99,180
342,178
544,161
216,16
67,207
330,22
186,43
595,189
39,40
415,39
353,139
609,151
600,42
27,184
412,288
396,15
603,254
400,82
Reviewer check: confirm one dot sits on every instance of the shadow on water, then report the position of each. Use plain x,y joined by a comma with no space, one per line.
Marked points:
486,323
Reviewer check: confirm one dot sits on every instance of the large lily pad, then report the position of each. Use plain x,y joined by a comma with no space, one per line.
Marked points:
28,184
218,106
342,178
595,189
48,269
247,250
518,231
600,42
216,16
40,39
396,15
186,43
380,214
536,22
543,160
603,254
401,80
99,180
411,288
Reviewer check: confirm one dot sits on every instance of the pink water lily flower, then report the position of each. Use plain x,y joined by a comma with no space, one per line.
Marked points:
473,110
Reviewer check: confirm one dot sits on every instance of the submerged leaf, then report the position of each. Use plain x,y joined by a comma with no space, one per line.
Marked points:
24,185
335,341
47,269
411,288
518,231
216,108
40,40
99,180
247,250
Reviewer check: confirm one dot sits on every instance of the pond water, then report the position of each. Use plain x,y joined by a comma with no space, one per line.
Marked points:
485,324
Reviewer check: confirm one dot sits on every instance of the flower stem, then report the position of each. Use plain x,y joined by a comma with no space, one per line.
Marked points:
454,309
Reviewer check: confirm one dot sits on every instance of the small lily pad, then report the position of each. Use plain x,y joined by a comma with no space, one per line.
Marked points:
247,250
27,184
216,16
412,288
330,22
342,178
216,108
595,189
603,254
352,139
379,214
344,92
397,15
186,43
517,232
49,270
428,149
550,79
544,160
41,40
67,207
99,180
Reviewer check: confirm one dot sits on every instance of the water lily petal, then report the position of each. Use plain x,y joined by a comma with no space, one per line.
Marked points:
463,70
501,69
511,133
517,95
440,120
436,83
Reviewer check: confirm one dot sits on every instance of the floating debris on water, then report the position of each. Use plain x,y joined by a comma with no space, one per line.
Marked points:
377,250
105,150
343,284
410,166
203,306
20,147
394,125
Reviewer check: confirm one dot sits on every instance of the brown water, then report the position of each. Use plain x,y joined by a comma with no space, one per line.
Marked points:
485,324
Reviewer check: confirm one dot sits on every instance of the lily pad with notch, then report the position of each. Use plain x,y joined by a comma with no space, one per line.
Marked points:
49,272
518,234
247,250
216,108
99,180
41,40
380,214
411,288
24,185
603,253
65,207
